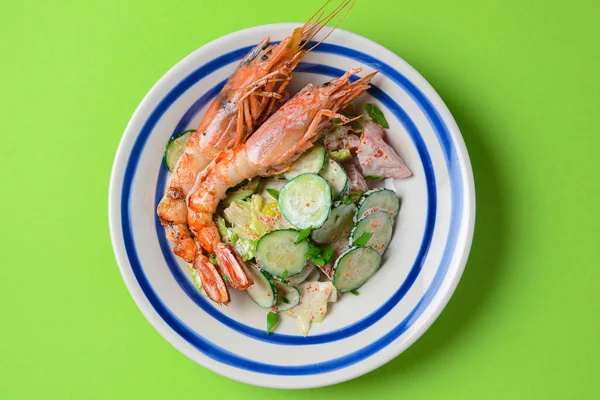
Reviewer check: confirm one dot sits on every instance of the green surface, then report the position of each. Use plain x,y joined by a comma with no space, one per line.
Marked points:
521,78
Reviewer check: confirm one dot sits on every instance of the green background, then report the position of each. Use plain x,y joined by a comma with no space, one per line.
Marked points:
521,78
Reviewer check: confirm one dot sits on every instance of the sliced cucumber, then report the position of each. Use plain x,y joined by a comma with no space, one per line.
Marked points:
338,225
335,175
355,267
277,252
305,201
286,292
241,191
380,226
314,276
312,161
301,277
175,148
377,200
263,291
269,183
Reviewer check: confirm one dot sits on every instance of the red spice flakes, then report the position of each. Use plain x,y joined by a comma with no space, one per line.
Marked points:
346,275
307,204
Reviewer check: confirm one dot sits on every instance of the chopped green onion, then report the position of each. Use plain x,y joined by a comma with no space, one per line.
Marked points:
373,177
352,197
303,235
363,239
355,292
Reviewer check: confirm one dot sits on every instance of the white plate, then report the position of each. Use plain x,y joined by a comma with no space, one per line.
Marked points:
421,269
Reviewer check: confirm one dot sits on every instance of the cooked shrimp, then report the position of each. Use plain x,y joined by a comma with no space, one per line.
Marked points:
271,149
247,99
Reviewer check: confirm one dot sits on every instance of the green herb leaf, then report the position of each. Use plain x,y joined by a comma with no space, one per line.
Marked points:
313,252
376,115
319,261
272,320
285,299
327,253
352,197
225,278
303,235
340,155
213,259
274,193
284,275
363,239
355,292
373,177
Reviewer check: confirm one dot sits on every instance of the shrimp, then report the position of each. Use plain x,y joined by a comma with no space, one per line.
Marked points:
270,150
247,99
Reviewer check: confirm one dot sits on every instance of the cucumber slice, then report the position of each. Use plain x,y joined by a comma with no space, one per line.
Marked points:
314,276
241,191
380,225
269,183
301,277
290,293
305,201
335,175
312,161
175,148
377,200
277,252
355,267
338,225
263,291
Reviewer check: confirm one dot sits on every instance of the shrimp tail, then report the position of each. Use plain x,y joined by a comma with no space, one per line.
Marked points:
233,267
212,282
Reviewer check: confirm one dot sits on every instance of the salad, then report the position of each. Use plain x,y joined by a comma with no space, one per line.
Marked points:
318,230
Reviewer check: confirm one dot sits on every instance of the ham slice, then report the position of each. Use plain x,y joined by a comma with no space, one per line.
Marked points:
377,158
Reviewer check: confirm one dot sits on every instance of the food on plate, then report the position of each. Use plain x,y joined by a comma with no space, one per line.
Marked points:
278,142
247,99
282,197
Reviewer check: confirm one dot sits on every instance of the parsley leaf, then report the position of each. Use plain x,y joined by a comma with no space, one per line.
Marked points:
272,320
376,115
213,259
363,239
274,193
373,177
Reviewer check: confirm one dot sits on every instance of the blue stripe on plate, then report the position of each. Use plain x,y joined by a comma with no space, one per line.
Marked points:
221,355
356,327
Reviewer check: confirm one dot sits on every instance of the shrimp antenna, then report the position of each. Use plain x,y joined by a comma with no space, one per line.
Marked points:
322,21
